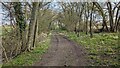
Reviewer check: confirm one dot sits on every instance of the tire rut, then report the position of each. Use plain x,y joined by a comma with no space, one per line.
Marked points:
63,52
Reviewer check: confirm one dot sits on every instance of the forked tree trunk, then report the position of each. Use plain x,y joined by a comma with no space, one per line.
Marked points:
110,16
103,15
32,24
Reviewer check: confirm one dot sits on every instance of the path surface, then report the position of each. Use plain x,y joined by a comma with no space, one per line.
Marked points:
63,52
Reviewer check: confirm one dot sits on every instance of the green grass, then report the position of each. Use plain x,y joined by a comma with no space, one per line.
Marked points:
28,58
0,30
102,48
0,65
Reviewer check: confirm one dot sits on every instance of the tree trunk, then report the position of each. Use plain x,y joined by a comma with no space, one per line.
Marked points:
32,25
91,16
21,25
80,18
119,40
118,23
35,34
116,19
87,16
110,16
103,15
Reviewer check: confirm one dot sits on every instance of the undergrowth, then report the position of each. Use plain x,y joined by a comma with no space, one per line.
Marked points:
28,58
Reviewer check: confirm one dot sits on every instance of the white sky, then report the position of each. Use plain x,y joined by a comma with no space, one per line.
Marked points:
54,6
0,14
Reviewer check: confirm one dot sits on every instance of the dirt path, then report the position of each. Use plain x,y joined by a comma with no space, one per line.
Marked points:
63,52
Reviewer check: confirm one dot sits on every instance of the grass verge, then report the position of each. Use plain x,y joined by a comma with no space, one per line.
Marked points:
28,58
102,48
0,65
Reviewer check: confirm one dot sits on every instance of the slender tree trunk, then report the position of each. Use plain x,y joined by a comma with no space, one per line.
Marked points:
80,18
35,34
118,24
118,40
91,16
87,16
116,19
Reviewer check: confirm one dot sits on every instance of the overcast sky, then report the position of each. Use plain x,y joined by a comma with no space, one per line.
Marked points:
0,14
54,5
